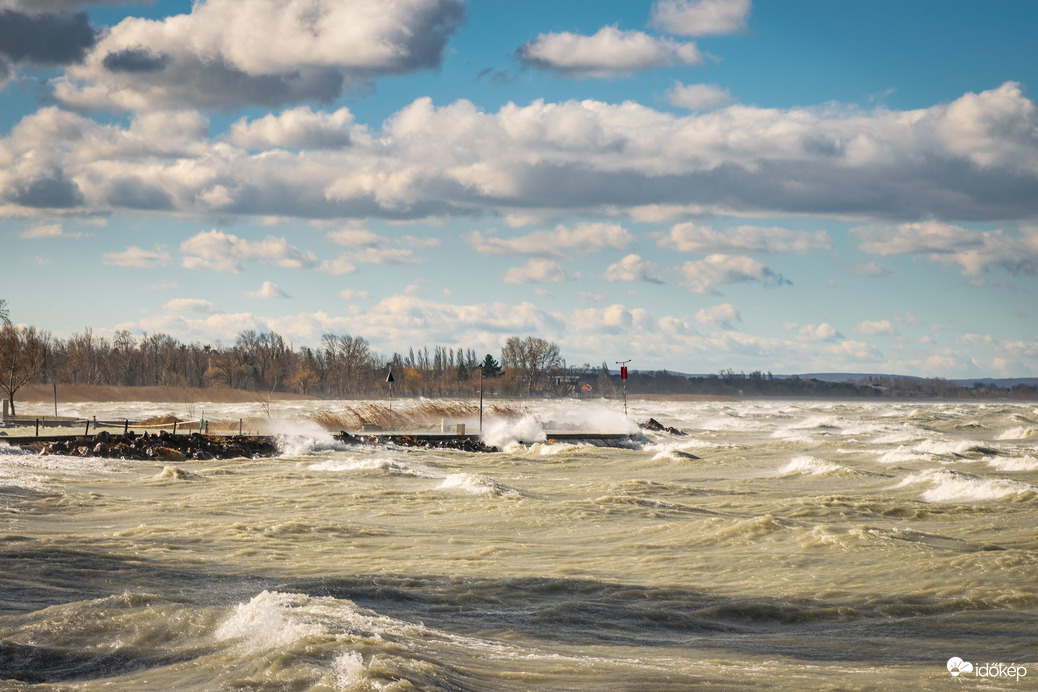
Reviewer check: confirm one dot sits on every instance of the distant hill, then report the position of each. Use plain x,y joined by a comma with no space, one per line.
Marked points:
1004,383
856,377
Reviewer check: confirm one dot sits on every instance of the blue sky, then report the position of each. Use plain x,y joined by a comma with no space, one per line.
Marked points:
795,186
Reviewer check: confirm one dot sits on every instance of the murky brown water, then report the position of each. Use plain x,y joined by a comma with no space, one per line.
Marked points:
781,545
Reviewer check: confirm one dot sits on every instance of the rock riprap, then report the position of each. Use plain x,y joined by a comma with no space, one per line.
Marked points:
161,447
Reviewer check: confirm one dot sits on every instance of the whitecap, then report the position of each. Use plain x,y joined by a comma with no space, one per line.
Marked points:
813,422
476,484
349,671
678,450
945,447
1004,463
949,486
384,464
810,466
174,473
266,623
7,450
901,455
1019,433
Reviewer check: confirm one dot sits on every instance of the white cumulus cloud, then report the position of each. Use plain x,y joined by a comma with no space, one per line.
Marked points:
690,237
138,258
634,268
974,251
816,332
582,158
536,271
724,316
700,17
607,53
698,97
218,251
182,305
268,289
297,128
876,327
558,243
705,275
262,52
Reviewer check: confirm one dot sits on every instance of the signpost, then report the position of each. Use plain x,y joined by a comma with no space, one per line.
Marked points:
623,377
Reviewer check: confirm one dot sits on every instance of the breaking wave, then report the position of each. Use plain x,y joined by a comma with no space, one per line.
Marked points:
950,486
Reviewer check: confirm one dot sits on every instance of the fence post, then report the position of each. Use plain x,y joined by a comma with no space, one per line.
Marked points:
37,427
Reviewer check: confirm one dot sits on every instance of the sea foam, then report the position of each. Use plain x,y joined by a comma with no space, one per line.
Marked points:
949,486
383,464
477,484
505,434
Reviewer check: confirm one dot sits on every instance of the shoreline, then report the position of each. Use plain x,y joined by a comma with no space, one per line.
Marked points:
80,393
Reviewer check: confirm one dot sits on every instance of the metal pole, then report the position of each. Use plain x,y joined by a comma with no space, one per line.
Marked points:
481,400
623,378
55,399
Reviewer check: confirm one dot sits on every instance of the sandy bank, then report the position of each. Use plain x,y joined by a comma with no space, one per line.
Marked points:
177,395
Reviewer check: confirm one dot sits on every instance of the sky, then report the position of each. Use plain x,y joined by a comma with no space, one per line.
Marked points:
788,186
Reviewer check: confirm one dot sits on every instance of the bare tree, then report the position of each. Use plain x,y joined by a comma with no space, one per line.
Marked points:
533,359
349,361
5,314
23,351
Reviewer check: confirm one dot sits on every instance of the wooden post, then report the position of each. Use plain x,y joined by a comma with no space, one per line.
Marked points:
87,431
126,426
239,427
174,426
55,399
37,427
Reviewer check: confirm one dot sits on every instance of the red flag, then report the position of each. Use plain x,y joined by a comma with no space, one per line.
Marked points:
623,372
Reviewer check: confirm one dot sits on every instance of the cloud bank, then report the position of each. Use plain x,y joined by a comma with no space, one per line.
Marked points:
974,159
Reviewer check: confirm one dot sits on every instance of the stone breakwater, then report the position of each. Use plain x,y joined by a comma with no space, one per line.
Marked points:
162,447
465,443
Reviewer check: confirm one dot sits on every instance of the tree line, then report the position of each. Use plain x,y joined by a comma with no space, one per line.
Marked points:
343,366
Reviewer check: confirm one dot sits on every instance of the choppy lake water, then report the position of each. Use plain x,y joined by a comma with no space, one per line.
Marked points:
780,546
